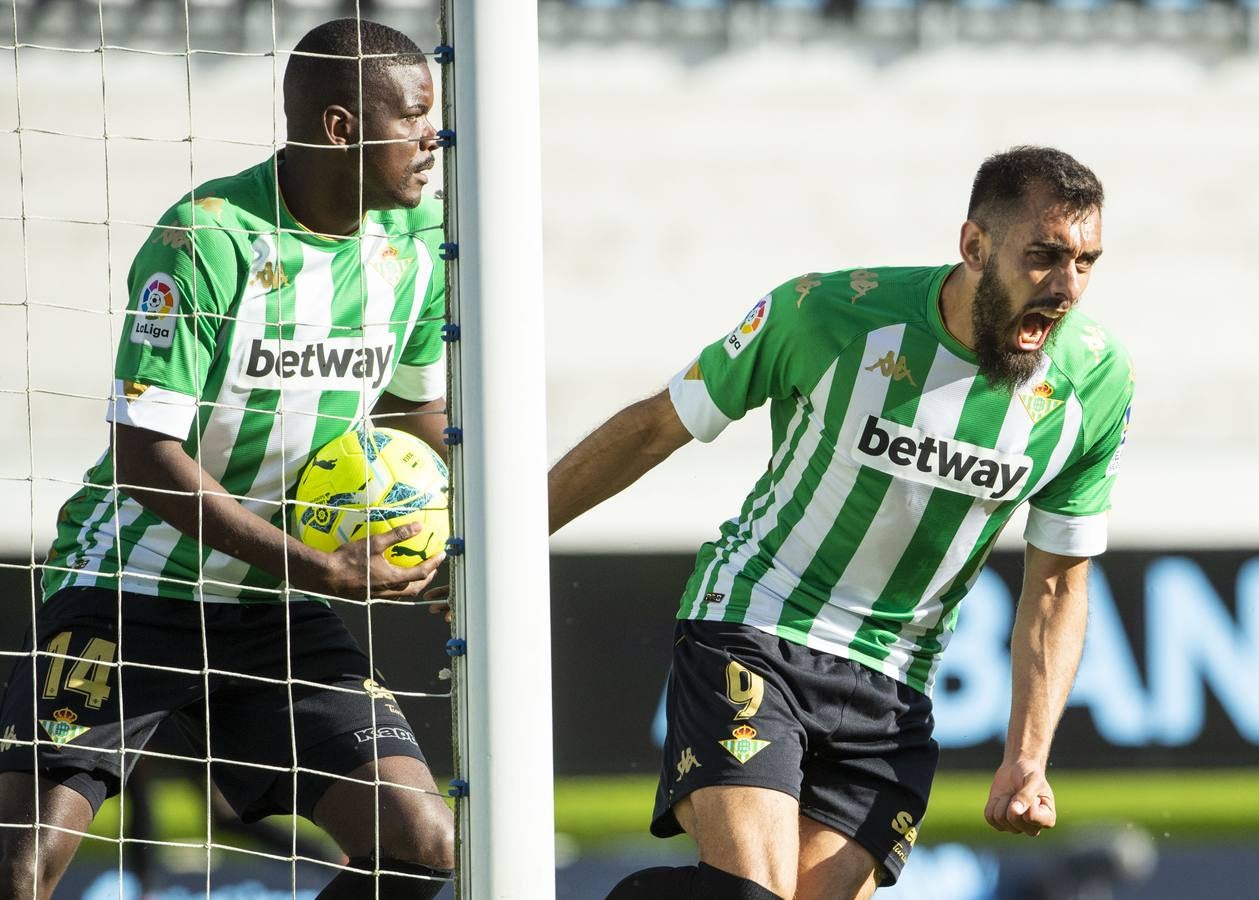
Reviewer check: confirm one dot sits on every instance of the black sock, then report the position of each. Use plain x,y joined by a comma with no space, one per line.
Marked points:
357,885
688,883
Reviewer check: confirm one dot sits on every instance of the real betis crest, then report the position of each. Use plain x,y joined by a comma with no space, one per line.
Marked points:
1039,401
743,744
61,728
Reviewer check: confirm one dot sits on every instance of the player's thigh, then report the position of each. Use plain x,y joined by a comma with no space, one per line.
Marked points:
42,827
832,865
746,831
390,809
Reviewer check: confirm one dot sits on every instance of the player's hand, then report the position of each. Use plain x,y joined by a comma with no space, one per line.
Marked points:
1021,801
436,598
358,568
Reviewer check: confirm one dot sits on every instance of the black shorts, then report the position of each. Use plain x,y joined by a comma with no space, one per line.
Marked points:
852,745
88,717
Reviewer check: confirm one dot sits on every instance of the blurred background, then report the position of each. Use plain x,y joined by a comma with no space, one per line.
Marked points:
697,153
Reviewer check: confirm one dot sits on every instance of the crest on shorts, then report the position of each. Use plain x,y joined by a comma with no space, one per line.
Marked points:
743,744
61,728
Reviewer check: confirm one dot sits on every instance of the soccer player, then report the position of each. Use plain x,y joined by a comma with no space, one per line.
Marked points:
912,410
270,311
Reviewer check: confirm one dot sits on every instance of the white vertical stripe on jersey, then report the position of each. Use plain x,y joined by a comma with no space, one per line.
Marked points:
869,392
423,272
1073,421
757,525
296,413
381,301
944,392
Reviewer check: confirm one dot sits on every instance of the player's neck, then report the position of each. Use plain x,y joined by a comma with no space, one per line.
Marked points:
307,190
957,297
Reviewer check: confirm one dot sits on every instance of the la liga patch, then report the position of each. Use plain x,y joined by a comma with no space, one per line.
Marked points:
749,328
153,321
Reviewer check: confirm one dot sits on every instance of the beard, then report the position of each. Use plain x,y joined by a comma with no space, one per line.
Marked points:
992,316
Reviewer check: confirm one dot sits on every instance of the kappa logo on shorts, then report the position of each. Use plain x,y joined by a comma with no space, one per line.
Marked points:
61,728
686,763
363,735
9,739
743,744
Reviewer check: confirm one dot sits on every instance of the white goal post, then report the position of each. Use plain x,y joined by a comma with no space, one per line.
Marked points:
501,581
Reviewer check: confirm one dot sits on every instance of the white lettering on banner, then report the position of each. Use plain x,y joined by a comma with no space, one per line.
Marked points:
1192,643
344,364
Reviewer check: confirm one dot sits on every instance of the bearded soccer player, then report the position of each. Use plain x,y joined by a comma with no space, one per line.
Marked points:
270,312
912,410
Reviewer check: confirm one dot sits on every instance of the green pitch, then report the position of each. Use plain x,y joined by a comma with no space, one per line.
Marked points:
1188,805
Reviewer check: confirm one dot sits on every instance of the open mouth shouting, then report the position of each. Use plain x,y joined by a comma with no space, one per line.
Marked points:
1035,325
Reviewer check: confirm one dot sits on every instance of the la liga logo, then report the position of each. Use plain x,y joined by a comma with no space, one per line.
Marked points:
158,298
756,317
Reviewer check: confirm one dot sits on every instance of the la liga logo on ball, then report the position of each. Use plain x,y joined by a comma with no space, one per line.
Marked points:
370,481
158,299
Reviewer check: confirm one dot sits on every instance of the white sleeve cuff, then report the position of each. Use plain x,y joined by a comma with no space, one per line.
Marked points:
420,383
694,406
151,408
1066,535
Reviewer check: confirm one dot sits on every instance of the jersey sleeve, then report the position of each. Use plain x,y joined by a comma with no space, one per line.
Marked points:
181,285
1068,516
742,370
421,372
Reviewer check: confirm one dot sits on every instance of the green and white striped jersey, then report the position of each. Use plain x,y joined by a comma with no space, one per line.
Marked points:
894,464
255,342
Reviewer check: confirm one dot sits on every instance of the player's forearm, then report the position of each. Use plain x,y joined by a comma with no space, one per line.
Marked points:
1045,649
614,456
427,420
168,483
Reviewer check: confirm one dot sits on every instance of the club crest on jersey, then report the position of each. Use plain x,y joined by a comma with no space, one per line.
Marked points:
743,743
1039,401
749,328
911,454
61,728
159,298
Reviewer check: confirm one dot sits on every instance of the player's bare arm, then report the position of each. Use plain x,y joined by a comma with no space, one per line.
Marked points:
426,420
614,456
1045,649
184,495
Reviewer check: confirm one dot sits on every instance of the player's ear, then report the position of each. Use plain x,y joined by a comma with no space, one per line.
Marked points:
340,126
974,244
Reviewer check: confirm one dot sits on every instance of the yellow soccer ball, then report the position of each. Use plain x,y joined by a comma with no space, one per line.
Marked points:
369,481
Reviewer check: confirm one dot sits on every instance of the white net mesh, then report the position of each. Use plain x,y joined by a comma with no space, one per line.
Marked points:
110,112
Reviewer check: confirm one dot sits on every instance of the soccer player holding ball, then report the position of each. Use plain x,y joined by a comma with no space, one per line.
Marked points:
270,312
912,410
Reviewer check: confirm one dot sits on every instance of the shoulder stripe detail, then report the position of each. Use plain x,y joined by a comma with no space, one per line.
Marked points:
694,405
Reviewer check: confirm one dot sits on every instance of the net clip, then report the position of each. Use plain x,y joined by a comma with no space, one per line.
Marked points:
456,647
445,138
453,436
458,788
448,250
454,546
450,332
444,53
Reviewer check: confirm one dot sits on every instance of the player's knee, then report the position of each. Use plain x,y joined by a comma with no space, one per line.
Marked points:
423,837
19,874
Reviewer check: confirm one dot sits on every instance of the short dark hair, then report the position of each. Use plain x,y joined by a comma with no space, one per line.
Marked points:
1004,180
332,76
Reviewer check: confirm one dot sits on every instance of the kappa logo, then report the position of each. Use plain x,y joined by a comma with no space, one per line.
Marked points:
1095,340
804,285
908,453
891,367
364,735
862,282
743,743
1039,401
687,762
158,300
344,364
749,328
9,739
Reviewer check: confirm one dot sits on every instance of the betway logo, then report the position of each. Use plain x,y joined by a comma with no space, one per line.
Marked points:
908,453
333,364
